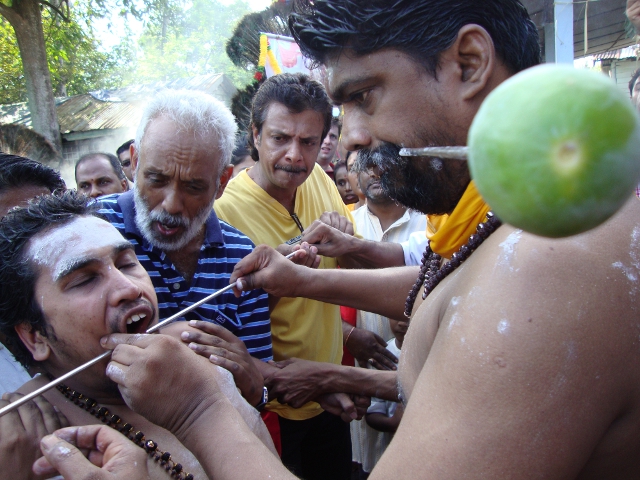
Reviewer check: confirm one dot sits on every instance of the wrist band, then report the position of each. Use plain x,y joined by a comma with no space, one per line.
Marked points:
348,335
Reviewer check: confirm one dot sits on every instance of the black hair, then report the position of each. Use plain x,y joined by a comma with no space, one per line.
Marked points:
124,147
632,82
18,274
420,28
339,164
295,91
240,150
113,160
17,172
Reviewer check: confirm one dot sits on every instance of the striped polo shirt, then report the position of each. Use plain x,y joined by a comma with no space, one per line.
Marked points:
246,317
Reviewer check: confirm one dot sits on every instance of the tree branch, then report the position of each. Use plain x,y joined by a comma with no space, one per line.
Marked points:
56,9
8,13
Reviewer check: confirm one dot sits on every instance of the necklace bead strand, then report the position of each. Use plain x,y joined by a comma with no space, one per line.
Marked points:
173,469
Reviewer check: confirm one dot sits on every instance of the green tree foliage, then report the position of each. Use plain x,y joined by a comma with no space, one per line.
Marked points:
12,84
76,61
182,42
243,48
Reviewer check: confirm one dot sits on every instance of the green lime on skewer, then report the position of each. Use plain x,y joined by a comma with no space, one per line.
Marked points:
555,150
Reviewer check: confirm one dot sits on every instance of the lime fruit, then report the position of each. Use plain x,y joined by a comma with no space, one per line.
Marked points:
555,150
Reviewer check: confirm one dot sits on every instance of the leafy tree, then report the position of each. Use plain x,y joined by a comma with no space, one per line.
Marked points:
28,19
243,48
190,41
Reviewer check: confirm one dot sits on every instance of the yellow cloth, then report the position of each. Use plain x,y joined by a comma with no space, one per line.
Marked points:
435,223
300,327
350,206
461,224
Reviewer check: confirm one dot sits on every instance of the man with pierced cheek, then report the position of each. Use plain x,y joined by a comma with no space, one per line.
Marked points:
68,278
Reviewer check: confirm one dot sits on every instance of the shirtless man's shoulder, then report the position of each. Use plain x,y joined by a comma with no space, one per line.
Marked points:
531,348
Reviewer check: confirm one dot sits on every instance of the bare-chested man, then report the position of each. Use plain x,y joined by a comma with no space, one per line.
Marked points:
525,361
67,279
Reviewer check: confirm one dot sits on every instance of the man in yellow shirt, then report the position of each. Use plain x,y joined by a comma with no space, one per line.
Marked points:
273,203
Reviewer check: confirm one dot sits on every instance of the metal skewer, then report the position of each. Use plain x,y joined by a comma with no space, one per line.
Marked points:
102,356
455,153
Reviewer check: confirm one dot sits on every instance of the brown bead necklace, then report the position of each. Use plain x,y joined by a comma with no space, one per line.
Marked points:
431,273
173,469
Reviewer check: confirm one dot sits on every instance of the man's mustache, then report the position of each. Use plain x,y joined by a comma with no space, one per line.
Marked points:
290,168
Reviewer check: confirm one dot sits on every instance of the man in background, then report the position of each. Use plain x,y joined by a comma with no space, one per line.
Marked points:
273,203
124,155
99,174
329,147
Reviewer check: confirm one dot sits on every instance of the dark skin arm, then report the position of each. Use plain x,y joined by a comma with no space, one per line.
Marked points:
381,291
333,239
368,348
315,378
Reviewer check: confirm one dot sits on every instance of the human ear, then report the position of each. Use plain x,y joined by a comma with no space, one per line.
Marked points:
134,160
476,56
224,179
125,184
34,341
256,135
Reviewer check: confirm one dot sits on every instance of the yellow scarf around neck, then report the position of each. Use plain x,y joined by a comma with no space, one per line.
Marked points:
461,224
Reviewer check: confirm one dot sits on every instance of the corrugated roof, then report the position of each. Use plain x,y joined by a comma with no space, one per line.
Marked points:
112,109
628,52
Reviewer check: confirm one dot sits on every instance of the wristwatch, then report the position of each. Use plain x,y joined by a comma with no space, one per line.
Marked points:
264,400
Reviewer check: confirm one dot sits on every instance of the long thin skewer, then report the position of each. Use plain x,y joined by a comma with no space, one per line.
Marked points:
454,153
102,356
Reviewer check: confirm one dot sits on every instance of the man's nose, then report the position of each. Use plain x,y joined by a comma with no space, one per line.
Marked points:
355,134
172,202
95,192
347,186
294,153
123,288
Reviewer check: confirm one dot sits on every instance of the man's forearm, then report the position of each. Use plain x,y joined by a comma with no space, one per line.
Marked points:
362,381
381,291
370,254
219,435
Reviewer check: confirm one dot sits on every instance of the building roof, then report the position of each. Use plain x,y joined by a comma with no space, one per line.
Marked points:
607,26
120,108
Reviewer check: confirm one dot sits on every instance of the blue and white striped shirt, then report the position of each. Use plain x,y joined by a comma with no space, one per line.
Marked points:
246,317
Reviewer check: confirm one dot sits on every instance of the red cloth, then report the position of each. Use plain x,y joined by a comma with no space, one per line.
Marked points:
350,316
270,419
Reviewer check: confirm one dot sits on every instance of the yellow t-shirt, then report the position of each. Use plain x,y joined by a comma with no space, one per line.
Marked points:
300,327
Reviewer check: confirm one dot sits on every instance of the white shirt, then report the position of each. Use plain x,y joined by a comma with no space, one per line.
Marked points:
368,444
12,374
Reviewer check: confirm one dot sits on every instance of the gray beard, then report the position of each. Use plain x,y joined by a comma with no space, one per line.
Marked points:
145,218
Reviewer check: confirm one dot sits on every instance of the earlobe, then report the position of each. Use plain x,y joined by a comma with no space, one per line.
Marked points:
256,135
477,60
34,341
224,179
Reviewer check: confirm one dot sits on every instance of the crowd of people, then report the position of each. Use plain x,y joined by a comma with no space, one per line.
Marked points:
408,334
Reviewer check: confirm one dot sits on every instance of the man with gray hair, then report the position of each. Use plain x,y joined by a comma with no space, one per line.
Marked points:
181,159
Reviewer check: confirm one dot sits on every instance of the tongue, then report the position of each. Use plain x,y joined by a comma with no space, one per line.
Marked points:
164,230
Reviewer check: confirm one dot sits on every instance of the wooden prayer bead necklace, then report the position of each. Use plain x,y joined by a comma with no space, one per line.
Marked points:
173,469
431,273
